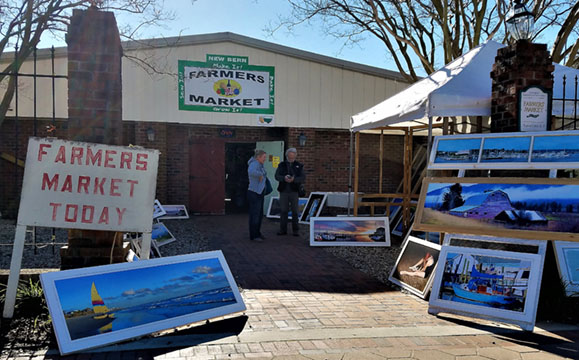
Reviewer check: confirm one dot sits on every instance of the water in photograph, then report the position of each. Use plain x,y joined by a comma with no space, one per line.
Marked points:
151,312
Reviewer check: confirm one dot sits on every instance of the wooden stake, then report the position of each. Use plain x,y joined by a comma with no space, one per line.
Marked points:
356,170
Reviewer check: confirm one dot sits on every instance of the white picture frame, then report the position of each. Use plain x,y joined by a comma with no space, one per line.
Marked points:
314,206
158,209
567,256
161,234
453,292
416,265
349,231
497,243
174,212
527,150
131,312
273,209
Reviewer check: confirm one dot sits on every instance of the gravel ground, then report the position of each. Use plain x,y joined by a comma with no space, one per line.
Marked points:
46,255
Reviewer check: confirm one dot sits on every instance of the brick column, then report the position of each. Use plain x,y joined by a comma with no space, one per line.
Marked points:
94,77
95,115
517,66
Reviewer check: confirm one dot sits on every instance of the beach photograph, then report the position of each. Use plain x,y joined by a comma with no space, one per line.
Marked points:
161,234
488,281
175,212
564,148
349,231
121,300
415,266
490,206
457,151
506,149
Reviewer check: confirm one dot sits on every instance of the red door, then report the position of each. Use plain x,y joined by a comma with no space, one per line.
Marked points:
207,177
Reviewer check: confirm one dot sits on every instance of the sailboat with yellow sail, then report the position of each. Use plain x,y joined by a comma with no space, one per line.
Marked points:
101,311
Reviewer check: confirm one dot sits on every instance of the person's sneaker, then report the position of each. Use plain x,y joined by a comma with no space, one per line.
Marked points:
262,237
281,233
257,239
296,234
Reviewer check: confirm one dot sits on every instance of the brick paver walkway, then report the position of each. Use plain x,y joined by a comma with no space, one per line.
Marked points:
304,303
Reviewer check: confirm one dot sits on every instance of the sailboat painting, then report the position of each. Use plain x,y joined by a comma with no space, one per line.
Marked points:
100,305
498,284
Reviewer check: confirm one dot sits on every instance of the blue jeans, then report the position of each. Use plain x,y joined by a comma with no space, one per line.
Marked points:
255,202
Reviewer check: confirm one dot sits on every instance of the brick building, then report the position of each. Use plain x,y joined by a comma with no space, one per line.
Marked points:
206,138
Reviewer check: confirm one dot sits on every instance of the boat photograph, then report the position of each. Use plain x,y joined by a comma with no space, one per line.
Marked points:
485,281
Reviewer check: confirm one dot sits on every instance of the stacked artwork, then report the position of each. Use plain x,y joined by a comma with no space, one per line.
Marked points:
542,150
101,305
274,211
349,231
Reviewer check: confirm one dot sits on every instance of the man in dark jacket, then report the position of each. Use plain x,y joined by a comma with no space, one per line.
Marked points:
290,175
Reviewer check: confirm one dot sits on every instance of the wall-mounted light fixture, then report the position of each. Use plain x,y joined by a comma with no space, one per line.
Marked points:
302,139
520,22
150,134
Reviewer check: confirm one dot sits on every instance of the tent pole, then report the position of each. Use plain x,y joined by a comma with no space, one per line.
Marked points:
429,147
381,160
350,172
356,168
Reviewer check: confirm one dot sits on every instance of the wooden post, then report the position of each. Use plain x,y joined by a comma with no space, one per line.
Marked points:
479,124
381,160
356,170
405,188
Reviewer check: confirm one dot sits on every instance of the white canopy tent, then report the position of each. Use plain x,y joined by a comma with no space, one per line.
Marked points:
461,88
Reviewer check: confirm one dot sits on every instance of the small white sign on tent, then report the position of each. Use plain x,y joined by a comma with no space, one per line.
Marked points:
77,185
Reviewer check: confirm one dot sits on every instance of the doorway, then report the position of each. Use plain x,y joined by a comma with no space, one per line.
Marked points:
236,182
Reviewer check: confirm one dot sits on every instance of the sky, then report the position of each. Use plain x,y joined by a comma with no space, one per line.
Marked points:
142,286
250,18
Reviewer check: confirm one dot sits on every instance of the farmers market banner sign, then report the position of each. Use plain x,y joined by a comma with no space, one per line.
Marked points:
225,83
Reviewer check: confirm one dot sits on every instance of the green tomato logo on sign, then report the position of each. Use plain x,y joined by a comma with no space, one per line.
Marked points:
227,87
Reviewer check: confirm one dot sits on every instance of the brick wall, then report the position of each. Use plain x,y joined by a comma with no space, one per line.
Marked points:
517,66
326,156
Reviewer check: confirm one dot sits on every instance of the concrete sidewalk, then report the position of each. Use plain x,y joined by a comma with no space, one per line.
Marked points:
304,303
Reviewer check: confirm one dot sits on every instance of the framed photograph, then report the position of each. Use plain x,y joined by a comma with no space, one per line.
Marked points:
498,243
506,149
456,150
528,208
313,207
349,231
95,306
132,256
274,211
567,255
158,209
414,269
560,149
136,238
521,150
399,228
489,284
175,212
161,235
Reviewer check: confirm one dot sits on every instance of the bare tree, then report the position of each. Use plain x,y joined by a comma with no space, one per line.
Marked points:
24,22
431,33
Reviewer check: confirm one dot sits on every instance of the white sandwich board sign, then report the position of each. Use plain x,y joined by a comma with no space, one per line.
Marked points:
78,185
